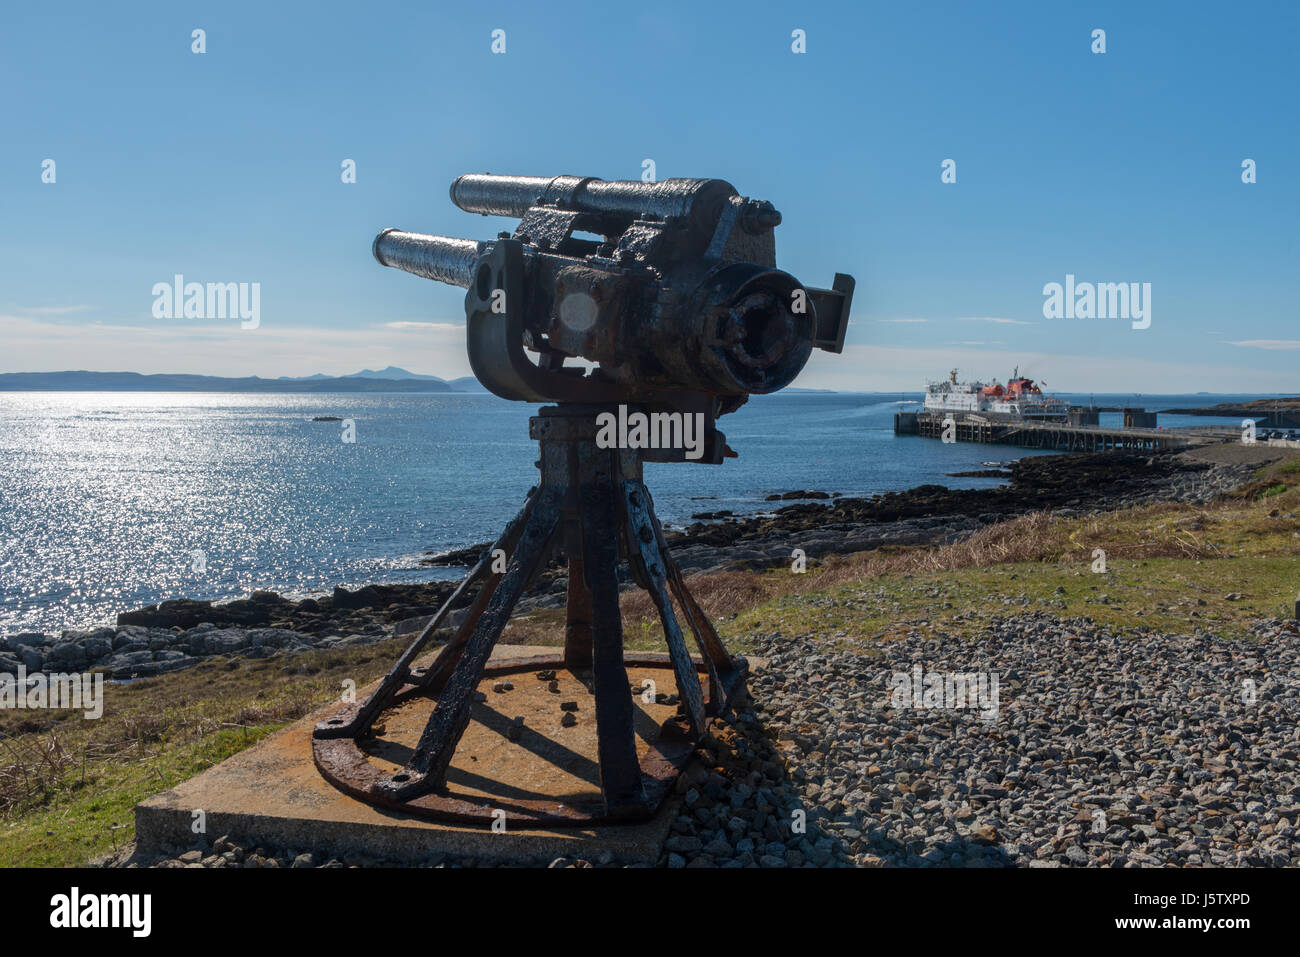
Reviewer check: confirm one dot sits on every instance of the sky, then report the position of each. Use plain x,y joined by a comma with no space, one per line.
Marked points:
1123,166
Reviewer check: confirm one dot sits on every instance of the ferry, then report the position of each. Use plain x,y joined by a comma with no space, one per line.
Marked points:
1019,399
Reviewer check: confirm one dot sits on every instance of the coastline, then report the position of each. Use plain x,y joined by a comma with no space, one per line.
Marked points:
180,633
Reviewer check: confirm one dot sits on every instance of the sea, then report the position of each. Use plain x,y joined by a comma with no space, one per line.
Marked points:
110,501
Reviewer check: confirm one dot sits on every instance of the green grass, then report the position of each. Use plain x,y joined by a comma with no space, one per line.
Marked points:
68,785
91,816
1163,594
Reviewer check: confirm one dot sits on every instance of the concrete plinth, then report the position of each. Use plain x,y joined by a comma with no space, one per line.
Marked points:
273,795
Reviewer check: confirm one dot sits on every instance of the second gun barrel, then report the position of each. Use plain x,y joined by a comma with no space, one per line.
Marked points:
434,257
626,199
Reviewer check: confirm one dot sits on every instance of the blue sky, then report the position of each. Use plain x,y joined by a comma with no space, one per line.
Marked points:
225,167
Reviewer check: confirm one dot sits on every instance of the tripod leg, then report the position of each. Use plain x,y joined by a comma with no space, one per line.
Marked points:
400,673
428,767
620,769
643,536
716,694
441,667
578,637
720,666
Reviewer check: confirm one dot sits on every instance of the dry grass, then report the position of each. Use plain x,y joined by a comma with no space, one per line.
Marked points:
1041,537
34,767
720,594
1156,531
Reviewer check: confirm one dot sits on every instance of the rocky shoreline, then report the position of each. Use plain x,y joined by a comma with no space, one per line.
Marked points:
178,634
1072,484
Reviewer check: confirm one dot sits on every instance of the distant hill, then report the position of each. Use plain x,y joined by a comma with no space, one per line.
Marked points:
83,381
392,372
467,384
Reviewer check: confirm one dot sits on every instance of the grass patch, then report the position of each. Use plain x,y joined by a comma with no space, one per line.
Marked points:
68,785
1162,594
1168,566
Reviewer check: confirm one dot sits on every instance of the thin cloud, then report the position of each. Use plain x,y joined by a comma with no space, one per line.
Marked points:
431,326
1267,343
52,310
1005,322
211,347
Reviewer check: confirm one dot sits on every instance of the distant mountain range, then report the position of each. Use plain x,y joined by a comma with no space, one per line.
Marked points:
392,372
391,379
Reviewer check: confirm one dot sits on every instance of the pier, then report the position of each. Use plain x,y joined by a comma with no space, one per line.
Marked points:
1064,436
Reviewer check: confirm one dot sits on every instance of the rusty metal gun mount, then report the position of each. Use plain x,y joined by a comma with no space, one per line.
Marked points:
676,305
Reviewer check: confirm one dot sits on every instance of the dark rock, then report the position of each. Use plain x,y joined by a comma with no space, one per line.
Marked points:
66,654
27,639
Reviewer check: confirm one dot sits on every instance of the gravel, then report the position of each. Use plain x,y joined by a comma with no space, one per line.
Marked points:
1110,748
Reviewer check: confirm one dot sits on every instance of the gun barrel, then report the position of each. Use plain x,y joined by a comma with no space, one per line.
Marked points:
513,195
434,257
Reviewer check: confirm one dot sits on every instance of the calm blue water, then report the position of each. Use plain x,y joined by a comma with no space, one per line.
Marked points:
105,496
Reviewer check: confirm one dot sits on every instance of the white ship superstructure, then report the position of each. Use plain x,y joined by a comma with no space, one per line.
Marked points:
1020,398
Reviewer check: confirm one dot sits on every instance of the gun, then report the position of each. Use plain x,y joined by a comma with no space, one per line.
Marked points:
668,290
669,295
